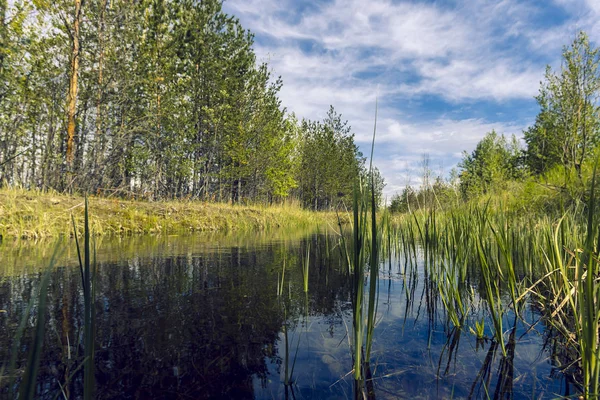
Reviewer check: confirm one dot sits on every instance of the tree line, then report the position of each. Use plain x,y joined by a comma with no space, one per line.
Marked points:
563,142
157,99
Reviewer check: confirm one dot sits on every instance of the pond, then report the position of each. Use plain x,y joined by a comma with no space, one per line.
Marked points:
205,316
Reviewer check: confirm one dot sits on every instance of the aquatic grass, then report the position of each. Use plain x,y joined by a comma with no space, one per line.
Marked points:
358,264
582,293
589,304
373,264
27,388
305,268
88,277
569,291
28,385
361,255
479,330
451,296
288,378
9,369
8,372
281,279
521,259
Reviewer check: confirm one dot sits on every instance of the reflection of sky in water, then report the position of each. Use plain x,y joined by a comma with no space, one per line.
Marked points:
203,318
411,356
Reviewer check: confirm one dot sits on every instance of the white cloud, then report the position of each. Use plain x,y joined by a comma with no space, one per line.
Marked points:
400,146
349,52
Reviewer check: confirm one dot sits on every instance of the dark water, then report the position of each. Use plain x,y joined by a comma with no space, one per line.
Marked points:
202,317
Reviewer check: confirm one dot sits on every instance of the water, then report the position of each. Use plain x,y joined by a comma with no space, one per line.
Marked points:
201,317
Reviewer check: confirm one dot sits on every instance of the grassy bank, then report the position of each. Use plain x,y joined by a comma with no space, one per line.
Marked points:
35,215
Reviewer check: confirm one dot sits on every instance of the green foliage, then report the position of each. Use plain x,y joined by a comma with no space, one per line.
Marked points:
493,162
329,163
441,194
560,146
567,129
172,103
397,202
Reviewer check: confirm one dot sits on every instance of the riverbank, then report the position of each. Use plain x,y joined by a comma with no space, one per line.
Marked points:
35,215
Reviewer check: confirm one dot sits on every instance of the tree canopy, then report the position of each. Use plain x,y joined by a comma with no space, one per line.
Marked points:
493,162
566,130
156,99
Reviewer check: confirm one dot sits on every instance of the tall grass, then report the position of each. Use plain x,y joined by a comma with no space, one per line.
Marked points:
305,268
517,260
571,294
366,242
27,388
88,277
8,373
589,305
36,215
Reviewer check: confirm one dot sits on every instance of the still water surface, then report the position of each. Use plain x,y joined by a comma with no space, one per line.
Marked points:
209,317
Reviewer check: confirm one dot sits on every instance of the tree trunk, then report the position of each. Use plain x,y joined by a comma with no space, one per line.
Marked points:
3,43
99,139
72,96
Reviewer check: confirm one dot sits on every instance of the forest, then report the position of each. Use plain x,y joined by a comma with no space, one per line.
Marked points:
157,99
166,99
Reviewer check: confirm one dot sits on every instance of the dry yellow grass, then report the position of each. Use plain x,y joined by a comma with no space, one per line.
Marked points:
34,215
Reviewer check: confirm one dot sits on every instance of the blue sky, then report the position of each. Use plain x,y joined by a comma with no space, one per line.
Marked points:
444,72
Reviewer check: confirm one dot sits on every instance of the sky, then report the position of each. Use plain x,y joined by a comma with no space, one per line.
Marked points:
443,73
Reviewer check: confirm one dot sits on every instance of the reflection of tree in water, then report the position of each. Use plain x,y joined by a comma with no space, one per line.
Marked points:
206,339
190,326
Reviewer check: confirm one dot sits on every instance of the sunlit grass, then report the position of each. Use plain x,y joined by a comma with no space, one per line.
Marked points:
517,260
34,214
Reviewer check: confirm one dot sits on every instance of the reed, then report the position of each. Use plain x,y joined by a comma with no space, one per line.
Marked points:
288,378
521,260
281,278
479,330
88,277
358,277
571,294
589,305
373,269
27,388
305,268
8,372
363,254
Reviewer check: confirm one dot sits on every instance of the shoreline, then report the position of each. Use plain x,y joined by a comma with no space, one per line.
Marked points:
29,214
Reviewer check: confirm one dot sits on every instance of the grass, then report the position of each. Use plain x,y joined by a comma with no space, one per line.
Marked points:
8,373
516,260
571,294
361,255
88,278
35,215
477,256
28,386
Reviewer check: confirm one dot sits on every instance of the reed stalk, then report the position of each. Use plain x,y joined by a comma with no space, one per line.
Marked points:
27,388
88,276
